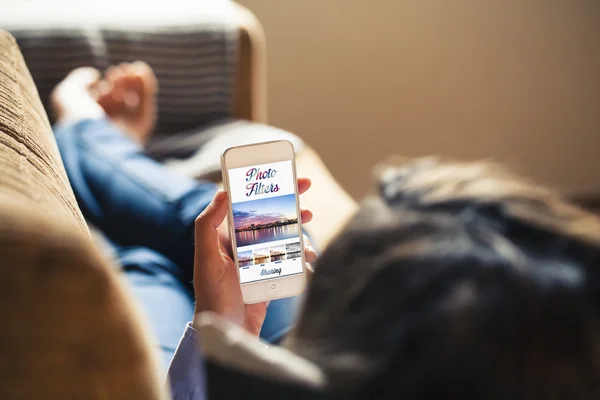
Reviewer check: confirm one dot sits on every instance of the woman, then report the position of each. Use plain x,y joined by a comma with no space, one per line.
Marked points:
458,281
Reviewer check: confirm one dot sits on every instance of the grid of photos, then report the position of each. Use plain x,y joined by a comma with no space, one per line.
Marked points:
265,220
263,256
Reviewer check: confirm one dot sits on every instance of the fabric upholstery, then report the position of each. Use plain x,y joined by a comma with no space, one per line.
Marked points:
190,45
30,166
69,330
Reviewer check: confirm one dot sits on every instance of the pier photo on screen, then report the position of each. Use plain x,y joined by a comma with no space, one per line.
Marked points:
265,220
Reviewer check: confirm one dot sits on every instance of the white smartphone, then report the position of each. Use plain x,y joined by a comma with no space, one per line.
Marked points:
264,220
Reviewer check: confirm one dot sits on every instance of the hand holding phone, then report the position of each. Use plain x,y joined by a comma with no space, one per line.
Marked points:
216,280
264,220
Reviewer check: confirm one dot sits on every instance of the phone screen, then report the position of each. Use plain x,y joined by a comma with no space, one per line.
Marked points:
265,219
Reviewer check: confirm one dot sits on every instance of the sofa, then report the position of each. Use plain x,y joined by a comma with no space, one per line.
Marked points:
71,328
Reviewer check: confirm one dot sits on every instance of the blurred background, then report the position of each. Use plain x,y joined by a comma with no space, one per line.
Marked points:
515,80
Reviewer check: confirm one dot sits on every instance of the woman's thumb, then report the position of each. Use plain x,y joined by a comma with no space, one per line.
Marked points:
209,220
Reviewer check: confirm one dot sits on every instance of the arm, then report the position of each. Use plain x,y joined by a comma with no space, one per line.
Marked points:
186,373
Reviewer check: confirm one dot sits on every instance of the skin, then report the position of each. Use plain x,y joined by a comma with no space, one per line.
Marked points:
126,94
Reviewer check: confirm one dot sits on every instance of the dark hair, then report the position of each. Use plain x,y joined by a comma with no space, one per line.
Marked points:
458,282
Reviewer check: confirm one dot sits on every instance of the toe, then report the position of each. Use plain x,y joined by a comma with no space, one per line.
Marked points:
104,97
112,73
126,69
123,79
145,72
132,99
133,91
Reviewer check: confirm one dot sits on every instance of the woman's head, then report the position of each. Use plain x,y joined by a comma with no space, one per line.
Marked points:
458,281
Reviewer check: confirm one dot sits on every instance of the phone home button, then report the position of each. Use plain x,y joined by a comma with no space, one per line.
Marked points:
273,286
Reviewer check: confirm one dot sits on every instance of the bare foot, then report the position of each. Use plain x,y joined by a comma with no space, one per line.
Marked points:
71,100
127,95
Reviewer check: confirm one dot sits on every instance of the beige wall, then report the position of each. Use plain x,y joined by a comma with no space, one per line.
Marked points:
516,80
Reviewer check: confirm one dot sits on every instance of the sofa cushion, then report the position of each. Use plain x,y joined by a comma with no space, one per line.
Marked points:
31,169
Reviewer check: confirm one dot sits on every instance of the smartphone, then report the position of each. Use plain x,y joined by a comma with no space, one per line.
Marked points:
264,220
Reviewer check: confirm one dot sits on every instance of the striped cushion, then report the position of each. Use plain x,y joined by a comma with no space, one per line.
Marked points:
190,46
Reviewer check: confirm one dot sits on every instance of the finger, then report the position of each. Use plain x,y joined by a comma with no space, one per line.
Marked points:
224,239
303,185
310,255
206,233
306,216
214,214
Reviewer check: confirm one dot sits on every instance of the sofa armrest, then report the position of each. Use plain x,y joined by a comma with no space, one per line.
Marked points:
31,169
70,329
251,84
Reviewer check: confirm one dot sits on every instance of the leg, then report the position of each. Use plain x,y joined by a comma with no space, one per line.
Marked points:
167,304
281,316
132,199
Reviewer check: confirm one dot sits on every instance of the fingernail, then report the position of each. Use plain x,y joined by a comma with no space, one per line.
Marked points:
220,195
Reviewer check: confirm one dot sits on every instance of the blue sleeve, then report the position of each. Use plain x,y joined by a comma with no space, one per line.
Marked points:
186,373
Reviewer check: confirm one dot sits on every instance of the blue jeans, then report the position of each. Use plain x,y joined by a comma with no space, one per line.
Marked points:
147,212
